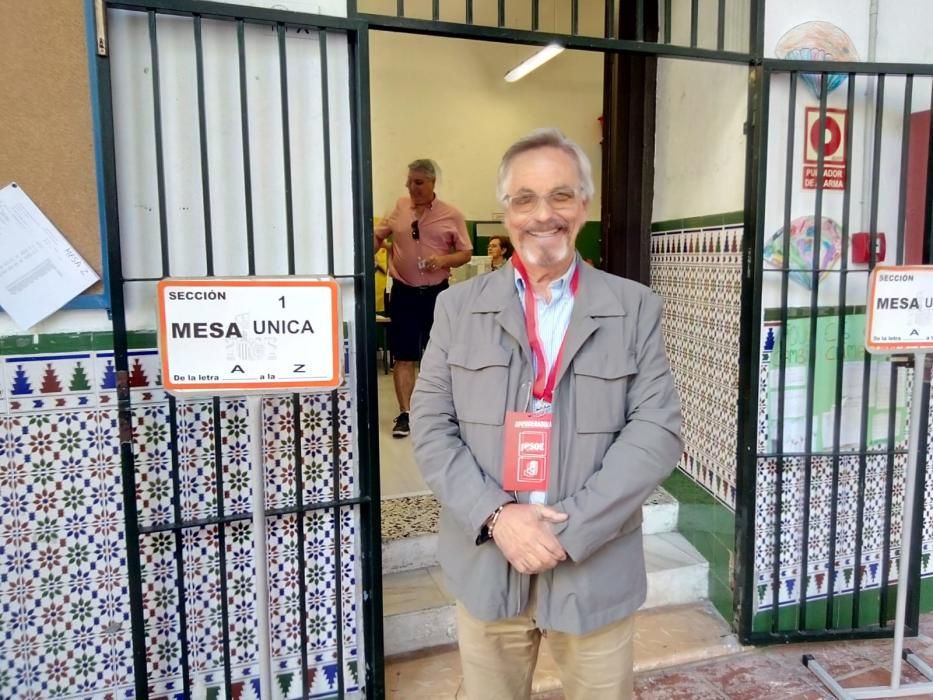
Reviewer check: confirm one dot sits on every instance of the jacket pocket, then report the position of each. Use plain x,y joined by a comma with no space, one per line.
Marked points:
601,387
479,376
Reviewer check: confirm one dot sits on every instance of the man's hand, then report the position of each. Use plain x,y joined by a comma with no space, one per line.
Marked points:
524,536
435,262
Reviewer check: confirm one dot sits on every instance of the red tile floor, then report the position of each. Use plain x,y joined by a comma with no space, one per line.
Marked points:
777,672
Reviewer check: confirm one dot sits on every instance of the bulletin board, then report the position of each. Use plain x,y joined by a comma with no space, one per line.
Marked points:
47,136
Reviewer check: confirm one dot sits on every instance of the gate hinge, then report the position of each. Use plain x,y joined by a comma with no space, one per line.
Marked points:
123,382
100,26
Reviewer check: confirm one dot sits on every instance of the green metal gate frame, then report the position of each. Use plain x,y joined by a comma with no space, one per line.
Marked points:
356,29
363,327
805,626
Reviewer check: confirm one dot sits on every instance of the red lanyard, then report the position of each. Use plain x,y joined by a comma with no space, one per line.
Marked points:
544,381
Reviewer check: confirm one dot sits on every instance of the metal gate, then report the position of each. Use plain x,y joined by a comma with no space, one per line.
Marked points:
835,189
236,143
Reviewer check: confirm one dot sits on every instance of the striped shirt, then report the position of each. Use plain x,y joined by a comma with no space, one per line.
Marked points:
553,319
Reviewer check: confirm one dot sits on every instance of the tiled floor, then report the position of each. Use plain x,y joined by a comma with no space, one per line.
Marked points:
725,670
397,471
676,634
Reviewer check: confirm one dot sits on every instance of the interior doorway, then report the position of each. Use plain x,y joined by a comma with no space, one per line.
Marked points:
446,99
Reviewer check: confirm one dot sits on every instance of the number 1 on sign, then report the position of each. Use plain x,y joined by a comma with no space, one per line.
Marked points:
282,299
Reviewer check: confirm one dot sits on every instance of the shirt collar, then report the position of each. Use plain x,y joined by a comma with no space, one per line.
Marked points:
428,206
557,287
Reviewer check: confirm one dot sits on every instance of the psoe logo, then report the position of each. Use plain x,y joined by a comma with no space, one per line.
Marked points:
531,442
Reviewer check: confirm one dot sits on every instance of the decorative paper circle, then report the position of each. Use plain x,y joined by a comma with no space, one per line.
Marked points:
817,41
800,250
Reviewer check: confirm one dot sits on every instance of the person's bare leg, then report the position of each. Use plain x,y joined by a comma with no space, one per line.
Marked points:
403,376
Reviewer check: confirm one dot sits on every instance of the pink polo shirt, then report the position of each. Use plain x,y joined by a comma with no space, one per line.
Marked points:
441,230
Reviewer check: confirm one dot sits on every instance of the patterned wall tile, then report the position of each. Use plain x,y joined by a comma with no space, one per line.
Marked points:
881,482
698,275
64,612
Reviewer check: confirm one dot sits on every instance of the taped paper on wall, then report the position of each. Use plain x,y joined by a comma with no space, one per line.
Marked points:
39,270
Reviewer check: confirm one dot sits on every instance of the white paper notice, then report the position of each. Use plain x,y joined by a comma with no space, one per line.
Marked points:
39,270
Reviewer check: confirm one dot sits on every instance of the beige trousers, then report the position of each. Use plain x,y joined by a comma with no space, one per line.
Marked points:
499,658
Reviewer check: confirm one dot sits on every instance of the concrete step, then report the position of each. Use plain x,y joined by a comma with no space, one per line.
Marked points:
419,610
664,637
418,552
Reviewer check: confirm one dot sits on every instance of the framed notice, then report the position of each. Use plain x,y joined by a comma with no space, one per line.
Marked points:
900,309
246,334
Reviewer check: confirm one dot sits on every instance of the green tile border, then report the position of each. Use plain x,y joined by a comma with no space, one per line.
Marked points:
729,218
774,313
99,341
710,527
869,607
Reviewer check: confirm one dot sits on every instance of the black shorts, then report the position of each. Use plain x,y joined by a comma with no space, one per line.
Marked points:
412,312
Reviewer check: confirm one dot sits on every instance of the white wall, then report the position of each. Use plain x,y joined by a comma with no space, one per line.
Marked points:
446,99
132,91
903,34
700,144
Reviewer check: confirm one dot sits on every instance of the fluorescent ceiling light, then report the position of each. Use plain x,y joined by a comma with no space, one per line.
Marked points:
532,62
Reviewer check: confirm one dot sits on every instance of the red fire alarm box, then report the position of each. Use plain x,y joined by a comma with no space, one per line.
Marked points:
860,251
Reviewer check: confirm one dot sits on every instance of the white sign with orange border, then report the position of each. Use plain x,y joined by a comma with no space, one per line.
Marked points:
242,334
900,309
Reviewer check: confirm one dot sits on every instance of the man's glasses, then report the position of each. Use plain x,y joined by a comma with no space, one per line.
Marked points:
415,232
527,202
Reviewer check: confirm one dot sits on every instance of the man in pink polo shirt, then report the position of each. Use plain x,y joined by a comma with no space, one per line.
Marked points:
429,237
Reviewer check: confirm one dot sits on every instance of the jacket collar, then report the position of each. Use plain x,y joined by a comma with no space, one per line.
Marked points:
594,299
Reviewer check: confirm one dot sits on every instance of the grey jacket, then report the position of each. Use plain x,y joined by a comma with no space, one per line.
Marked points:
616,436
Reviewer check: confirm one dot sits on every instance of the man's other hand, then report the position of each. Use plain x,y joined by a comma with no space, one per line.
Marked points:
524,536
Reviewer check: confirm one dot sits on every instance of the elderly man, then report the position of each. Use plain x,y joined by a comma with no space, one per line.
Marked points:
544,416
429,237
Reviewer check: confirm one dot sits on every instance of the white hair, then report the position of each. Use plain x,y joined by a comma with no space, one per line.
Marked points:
426,166
546,138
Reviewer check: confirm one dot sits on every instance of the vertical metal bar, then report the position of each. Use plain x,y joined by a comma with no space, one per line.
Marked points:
338,538
325,119
469,12
114,261
435,10
300,524
244,130
928,214
400,8
668,31
640,20
215,404
721,25
202,138
840,363
756,29
905,157
500,20
610,19
574,17
782,360
756,175
892,379
367,411
159,156
811,356
867,362
335,415
287,150
534,15
222,546
179,546
694,21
